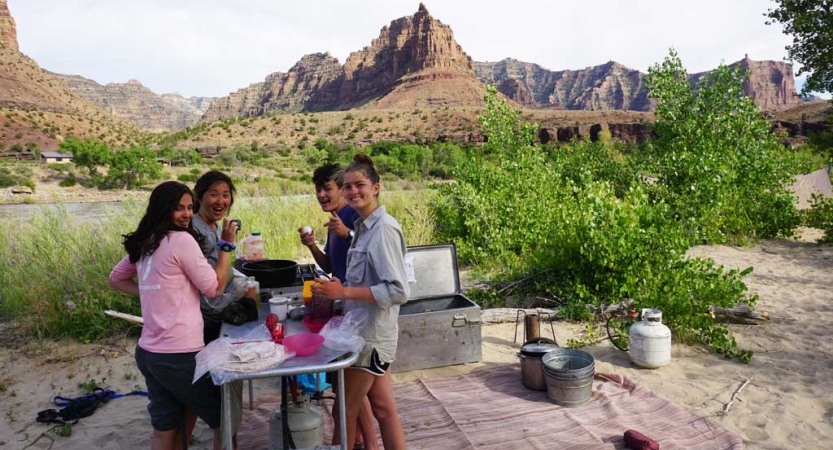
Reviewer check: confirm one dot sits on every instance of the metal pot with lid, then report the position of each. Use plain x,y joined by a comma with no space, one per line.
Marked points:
532,372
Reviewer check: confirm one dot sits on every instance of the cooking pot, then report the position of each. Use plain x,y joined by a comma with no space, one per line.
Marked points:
532,372
271,273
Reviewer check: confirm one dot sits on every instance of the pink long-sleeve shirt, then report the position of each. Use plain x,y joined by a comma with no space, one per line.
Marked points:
170,281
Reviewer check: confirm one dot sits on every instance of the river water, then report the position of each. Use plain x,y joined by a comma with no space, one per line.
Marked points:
86,212
96,211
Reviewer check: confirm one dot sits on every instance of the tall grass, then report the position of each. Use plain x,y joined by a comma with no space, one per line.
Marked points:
54,267
53,273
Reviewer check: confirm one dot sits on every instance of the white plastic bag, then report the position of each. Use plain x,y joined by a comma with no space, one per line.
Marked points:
344,333
236,289
258,356
213,355
224,359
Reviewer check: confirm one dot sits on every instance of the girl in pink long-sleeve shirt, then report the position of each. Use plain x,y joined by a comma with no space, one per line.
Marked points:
165,267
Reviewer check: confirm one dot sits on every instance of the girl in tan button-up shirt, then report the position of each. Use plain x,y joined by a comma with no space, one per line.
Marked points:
376,282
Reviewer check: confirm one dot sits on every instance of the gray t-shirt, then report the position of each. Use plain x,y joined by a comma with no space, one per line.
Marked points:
212,253
376,260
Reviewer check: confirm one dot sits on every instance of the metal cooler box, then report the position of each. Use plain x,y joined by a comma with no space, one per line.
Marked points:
438,326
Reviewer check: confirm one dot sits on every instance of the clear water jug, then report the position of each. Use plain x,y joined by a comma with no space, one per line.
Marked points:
251,248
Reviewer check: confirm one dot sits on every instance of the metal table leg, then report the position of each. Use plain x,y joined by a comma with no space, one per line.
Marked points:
251,396
342,410
226,425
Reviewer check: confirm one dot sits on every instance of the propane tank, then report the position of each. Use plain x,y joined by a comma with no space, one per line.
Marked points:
306,425
649,340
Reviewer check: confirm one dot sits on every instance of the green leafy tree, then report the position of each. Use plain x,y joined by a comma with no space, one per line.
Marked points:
446,155
313,156
550,224
132,168
724,174
333,151
810,23
503,126
89,154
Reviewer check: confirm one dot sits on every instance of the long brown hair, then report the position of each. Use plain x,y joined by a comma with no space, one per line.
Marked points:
157,221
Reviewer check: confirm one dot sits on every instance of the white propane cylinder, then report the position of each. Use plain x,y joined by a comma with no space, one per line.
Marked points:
306,425
649,341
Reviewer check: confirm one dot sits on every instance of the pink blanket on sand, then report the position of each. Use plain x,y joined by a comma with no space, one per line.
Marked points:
490,409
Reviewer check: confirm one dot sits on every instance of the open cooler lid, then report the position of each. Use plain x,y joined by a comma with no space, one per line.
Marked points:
435,271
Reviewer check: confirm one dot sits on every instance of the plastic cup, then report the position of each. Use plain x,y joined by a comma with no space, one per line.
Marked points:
279,306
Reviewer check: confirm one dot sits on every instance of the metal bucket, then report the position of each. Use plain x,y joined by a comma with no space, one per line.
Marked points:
569,376
532,373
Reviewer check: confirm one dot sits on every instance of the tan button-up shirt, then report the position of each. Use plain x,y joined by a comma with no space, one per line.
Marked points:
376,259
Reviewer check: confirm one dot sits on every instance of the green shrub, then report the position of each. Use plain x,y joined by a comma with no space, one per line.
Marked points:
69,181
187,177
820,216
569,225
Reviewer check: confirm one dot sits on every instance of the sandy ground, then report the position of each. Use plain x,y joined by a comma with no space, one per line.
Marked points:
787,404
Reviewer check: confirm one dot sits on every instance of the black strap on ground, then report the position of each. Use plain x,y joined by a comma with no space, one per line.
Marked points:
73,409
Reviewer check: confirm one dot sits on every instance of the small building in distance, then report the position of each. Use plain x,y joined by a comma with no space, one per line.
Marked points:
55,157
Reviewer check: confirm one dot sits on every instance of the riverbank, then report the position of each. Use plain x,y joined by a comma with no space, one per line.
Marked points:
49,191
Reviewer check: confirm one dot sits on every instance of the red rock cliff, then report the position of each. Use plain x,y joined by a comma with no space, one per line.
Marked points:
771,83
291,91
8,30
414,62
408,45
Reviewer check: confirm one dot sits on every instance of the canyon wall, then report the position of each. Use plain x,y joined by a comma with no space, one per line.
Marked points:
612,86
137,104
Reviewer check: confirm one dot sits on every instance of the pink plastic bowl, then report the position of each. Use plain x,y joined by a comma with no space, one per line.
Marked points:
303,344
315,325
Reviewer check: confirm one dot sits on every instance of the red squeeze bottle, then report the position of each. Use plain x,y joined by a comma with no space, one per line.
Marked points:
638,441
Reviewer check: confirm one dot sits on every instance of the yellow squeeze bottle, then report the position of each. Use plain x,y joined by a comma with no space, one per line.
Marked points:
307,293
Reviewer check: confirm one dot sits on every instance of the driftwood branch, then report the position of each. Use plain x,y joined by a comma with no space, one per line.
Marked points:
511,286
124,316
613,308
502,315
735,396
739,314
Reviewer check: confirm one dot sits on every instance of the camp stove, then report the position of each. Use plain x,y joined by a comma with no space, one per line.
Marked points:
304,272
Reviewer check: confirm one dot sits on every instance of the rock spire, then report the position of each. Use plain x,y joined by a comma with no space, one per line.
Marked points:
8,30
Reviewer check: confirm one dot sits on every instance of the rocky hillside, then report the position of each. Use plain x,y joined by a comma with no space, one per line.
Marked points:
38,109
613,86
139,105
414,63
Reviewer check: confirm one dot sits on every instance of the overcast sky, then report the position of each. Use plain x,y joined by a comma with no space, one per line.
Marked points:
213,47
